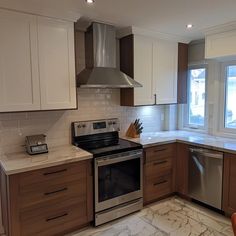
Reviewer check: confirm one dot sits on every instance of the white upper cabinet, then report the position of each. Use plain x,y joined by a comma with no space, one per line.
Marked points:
37,63
155,65
221,45
143,56
19,77
56,64
165,66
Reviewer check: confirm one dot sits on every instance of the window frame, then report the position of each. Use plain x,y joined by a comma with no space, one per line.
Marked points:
222,101
186,124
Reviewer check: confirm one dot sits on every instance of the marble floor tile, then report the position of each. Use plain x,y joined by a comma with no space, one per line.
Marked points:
127,227
169,217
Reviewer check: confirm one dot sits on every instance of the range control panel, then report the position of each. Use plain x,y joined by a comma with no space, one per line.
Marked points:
94,127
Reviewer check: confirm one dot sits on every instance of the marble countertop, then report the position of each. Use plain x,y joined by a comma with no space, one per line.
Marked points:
197,139
21,162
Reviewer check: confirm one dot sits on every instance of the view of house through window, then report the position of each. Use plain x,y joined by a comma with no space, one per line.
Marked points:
230,97
196,106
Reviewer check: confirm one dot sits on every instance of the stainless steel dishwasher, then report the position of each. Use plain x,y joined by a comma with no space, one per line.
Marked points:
205,176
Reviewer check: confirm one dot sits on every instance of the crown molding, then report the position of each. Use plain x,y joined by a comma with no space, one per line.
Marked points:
229,26
154,34
47,12
198,41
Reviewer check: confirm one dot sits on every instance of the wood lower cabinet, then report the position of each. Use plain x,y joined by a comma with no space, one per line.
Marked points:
166,172
229,183
159,172
182,158
49,201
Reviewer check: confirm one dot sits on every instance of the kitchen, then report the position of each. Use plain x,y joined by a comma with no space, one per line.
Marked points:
183,118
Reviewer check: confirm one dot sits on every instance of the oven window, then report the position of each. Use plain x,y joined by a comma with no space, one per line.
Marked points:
118,179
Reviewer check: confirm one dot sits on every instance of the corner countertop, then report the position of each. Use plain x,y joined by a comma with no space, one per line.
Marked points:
192,138
15,163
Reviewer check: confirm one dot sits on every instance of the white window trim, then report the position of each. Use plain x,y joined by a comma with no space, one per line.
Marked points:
185,110
222,131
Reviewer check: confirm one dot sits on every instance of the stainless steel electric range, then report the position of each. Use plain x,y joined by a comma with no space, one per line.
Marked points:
118,172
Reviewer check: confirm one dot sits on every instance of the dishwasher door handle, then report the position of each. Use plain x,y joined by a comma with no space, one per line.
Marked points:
206,153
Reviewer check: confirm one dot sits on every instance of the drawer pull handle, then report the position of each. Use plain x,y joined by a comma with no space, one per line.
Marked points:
160,150
55,172
161,182
56,191
159,163
56,217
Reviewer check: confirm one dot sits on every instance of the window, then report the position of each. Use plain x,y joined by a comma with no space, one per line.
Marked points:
230,97
196,97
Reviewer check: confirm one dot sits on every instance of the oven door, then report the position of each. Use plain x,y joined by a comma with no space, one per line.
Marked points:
118,179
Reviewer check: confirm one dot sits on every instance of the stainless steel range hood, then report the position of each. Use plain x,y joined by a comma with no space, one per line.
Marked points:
100,57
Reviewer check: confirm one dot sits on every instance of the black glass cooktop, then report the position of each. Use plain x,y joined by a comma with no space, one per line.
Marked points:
105,144
121,146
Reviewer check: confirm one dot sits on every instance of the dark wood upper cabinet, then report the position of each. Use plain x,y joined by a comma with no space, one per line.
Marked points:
127,66
182,73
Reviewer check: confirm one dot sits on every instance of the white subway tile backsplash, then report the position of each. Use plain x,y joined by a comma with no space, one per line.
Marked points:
93,104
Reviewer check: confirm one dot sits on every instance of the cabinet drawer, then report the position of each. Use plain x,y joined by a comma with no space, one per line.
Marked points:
159,152
43,193
63,173
158,167
54,219
157,187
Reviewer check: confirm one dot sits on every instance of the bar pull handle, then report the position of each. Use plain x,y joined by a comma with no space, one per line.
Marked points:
160,150
56,217
159,163
54,172
206,153
155,97
160,182
56,191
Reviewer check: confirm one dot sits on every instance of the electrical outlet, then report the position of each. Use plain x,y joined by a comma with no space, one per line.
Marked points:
162,117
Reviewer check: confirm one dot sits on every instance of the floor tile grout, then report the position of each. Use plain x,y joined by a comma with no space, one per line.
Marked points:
171,217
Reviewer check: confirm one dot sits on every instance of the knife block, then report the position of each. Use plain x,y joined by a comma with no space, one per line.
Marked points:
132,132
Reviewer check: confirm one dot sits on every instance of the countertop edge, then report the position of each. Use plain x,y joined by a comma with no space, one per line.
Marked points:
21,162
178,140
215,148
158,143
45,165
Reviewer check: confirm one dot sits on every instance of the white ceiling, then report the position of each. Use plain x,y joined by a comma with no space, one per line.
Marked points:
166,16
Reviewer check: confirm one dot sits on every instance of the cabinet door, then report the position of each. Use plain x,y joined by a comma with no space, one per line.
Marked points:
143,71
221,45
56,64
229,183
159,172
19,80
182,168
165,63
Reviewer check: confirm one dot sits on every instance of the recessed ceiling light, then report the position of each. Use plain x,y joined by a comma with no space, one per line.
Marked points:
90,1
189,26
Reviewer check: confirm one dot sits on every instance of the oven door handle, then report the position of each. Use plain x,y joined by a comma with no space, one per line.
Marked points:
108,161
